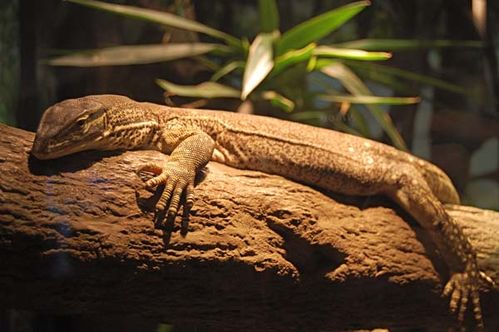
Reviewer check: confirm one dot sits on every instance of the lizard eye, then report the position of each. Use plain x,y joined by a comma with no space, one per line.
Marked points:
81,121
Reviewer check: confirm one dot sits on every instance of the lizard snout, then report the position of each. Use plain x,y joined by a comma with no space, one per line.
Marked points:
39,149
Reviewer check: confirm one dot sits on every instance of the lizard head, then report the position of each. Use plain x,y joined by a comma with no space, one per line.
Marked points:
74,125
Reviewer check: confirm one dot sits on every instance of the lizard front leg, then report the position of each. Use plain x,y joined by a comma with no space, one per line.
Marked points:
190,154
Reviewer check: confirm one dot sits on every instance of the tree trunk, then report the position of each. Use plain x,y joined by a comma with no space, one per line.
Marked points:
260,252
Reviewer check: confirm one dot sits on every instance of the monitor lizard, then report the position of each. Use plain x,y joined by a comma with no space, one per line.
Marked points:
319,157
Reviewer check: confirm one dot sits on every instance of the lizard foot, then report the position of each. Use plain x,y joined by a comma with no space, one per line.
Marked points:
178,181
461,288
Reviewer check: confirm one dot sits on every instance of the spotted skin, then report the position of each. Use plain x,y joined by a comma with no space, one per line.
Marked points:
324,158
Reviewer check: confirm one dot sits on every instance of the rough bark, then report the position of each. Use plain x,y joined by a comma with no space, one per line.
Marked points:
260,252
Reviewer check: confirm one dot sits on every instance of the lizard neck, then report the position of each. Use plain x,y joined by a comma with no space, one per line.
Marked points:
129,128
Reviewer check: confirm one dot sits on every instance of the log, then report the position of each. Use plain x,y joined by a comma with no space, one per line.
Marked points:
260,252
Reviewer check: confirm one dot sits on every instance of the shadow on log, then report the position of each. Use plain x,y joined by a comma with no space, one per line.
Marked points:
261,252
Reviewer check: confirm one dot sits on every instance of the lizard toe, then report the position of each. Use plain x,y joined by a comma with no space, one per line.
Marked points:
463,304
477,311
147,172
453,291
487,281
165,196
189,198
150,168
175,200
157,180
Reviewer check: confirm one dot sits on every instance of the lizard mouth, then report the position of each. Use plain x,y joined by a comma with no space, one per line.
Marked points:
43,150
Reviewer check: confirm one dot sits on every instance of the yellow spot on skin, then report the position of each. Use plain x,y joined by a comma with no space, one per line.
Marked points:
370,160
367,144
350,149
411,159
421,163
414,182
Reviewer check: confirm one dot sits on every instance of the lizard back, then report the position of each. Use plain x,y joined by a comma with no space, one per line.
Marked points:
317,156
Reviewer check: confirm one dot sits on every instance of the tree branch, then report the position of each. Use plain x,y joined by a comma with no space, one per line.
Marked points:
261,252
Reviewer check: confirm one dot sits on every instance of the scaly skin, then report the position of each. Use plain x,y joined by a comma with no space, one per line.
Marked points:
324,158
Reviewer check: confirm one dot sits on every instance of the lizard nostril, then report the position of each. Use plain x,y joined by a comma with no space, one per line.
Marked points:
39,148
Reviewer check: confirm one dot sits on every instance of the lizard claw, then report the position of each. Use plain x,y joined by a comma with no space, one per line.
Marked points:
488,281
178,181
461,288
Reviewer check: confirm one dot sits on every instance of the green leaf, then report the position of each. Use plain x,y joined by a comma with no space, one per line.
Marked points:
159,17
358,122
356,87
353,54
406,44
306,116
203,90
131,55
318,27
416,77
259,63
348,128
371,100
278,100
208,63
292,57
370,73
269,16
226,69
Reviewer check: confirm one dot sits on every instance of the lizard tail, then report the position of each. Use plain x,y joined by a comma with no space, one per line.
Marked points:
440,184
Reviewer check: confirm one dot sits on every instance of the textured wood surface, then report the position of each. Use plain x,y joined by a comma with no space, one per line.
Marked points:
260,252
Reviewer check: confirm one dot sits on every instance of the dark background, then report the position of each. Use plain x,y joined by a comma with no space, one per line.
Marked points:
457,133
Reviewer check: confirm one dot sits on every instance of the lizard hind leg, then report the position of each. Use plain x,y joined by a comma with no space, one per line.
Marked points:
410,190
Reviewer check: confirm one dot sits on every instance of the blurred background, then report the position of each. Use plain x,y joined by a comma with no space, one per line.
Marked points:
436,95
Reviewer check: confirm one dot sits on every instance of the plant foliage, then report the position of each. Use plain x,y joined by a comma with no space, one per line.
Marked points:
276,67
